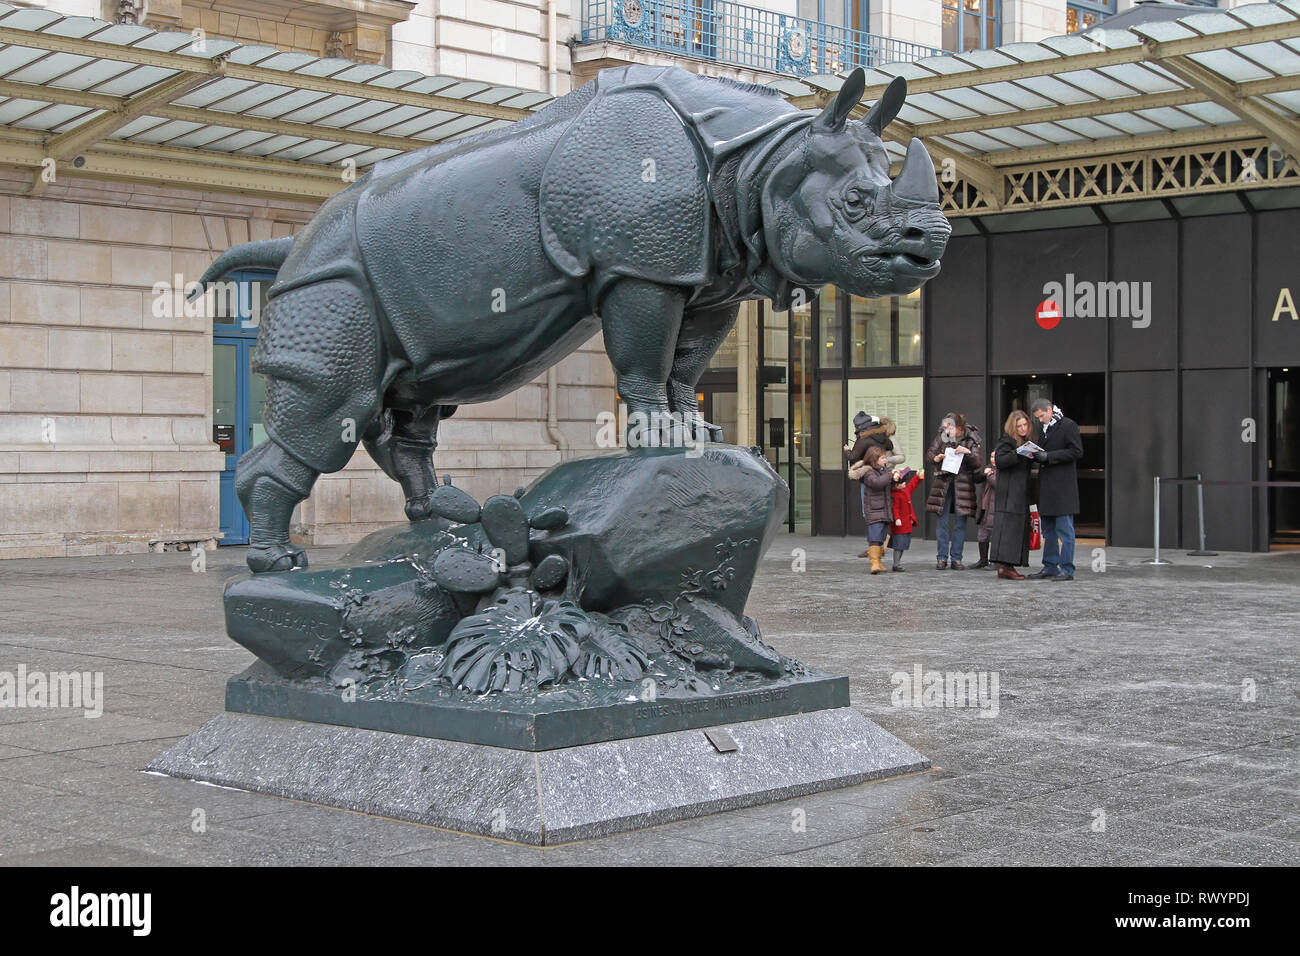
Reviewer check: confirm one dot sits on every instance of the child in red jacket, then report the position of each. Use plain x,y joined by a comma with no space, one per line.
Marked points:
900,538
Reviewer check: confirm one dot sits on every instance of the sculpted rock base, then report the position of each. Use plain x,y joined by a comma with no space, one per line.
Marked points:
611,581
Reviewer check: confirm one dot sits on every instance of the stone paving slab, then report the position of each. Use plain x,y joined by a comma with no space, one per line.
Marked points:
1123,691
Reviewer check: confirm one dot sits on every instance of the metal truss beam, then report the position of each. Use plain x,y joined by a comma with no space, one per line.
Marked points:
219,66
1095,108
207,117
1284,132
1149,174
184,168
65,145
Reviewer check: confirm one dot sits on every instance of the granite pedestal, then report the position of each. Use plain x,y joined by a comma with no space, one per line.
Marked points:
544,797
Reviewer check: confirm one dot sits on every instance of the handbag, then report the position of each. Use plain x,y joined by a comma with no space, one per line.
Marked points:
1035,529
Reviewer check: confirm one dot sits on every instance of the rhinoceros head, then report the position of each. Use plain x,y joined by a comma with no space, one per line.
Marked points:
832,215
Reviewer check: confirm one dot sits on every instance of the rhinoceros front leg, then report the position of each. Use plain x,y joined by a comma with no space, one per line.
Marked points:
641,321
703,332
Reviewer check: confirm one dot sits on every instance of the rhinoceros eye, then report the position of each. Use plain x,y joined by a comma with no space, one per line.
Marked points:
855,203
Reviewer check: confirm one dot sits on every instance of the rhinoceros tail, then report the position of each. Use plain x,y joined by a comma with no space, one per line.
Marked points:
262,254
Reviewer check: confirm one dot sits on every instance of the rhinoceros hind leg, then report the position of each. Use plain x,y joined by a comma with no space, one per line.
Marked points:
320,352
403,445
270,482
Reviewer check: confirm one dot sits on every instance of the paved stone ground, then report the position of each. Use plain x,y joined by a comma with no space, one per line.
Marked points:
1120,694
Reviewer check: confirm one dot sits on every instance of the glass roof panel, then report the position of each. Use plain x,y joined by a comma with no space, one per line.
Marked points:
44,70
202,136
1211,23
305,148
380,121
1017,95
987,59
1097,83
973,99
1016,136
149,129
282,106
1211,114
1088,128
1051,88
1028,52
941,108
14,57
1288,100
1230,66
12,110
1169,117
273,145
1131,123
1141,78
29,19
56,115
1052,132
136,81
215,91
91,75
422,126
1273,56
1261,14
980,142
1163,30
74,27
943,65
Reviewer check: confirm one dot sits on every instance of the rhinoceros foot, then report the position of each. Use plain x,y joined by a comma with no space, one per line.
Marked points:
275,557
420,507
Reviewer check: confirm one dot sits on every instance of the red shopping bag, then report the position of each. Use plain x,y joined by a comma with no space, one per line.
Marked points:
1035,529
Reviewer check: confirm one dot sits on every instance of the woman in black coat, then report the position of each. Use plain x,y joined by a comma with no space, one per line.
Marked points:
1009,545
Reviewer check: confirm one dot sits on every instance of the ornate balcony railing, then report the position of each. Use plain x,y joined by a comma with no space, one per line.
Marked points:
741,35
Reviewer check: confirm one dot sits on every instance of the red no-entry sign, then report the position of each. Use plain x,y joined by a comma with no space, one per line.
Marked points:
1048,314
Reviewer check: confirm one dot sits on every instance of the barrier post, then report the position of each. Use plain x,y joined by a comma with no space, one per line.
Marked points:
1155,522
1200,507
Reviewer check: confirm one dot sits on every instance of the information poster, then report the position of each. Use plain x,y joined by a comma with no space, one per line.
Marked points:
899,399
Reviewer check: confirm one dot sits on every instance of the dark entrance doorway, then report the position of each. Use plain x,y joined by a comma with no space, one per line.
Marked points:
238,394
1284,455
716,392
1082,397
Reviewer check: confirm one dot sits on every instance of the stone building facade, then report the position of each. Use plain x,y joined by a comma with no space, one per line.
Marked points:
106,405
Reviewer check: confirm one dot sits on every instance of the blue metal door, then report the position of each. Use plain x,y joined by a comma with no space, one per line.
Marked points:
238,395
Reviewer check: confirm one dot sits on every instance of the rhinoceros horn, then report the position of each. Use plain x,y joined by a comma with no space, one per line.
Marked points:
887,107
916,179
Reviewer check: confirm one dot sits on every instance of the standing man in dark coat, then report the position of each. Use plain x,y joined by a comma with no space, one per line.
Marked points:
1058,489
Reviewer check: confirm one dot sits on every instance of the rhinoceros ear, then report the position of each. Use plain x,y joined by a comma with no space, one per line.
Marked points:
887,107
836,113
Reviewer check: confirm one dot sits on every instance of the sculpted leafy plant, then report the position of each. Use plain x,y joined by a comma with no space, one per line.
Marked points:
515,644
508,647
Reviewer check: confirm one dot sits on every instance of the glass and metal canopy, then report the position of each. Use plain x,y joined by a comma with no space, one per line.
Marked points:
125,101
1206,102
